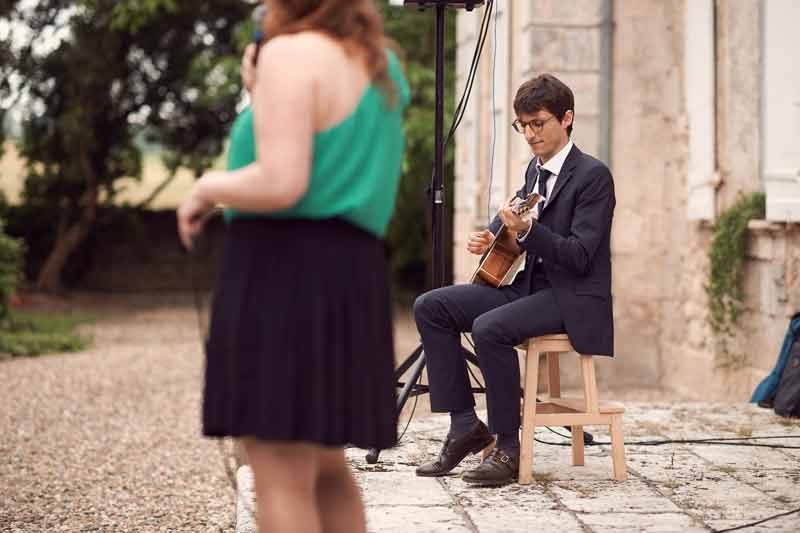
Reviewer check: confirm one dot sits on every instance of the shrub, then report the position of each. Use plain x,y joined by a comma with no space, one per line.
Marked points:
12,254
39,333
727,258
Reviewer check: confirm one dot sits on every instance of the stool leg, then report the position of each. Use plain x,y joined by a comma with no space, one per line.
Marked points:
528,414
589,384
577,445
554,379
618,448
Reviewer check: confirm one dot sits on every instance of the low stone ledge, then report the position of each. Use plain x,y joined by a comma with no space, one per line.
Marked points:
245,501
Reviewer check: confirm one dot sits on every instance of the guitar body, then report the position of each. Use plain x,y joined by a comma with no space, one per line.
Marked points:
498,262
502,257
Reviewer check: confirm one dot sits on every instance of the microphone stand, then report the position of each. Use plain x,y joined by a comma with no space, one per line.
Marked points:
416,361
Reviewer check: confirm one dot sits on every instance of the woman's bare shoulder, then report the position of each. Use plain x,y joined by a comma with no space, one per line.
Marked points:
299,47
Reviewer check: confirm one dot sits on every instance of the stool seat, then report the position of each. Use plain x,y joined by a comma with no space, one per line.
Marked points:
577,404
556,343
553,337
572,412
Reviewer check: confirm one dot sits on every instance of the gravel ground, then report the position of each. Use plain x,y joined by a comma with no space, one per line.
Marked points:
109,439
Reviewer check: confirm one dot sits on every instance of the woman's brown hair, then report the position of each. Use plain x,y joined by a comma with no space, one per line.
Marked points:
354,22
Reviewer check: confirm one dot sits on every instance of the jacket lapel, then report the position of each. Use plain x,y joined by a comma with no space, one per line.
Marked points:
566,173
530,176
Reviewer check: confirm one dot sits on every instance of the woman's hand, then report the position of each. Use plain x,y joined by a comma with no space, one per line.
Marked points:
192,216
248,68
479,241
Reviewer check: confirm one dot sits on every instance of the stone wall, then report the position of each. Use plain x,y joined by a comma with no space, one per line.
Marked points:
696,365
651,236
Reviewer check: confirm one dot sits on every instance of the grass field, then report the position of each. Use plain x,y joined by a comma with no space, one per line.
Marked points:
12,172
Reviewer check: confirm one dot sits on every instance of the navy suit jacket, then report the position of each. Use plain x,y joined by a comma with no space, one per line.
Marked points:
573,240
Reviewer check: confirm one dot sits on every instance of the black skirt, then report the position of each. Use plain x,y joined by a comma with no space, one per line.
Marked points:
300,342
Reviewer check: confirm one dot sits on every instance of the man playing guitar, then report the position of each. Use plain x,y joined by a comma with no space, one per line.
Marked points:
564,287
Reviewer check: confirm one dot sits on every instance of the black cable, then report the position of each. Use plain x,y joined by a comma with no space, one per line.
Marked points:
494,121
410,417
483,32
464,100
722,441
559,434
751,524
458,114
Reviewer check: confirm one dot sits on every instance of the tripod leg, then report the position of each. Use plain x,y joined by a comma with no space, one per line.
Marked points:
416,372
405,365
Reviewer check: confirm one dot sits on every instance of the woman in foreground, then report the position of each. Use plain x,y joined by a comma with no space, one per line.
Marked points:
300,356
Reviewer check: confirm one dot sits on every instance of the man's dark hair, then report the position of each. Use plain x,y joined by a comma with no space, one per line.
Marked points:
545,92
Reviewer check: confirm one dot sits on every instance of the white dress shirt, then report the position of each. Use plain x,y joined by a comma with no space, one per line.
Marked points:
553,165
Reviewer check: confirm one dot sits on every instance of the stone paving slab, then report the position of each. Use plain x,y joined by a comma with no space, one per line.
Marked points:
410,518
671,488
652,522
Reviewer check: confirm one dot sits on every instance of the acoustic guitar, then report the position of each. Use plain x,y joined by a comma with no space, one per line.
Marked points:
501,259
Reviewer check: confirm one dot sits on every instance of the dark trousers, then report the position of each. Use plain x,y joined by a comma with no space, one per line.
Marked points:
499,319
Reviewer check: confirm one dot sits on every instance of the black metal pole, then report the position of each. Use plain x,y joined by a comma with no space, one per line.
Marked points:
437,215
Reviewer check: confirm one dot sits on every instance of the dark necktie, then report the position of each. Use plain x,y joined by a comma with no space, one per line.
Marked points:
544,175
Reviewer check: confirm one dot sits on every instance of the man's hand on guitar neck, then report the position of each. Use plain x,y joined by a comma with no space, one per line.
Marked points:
513,221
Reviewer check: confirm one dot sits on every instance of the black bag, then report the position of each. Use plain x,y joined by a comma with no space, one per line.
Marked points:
787,396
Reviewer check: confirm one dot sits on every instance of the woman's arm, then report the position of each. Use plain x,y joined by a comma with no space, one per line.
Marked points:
283,112
283,108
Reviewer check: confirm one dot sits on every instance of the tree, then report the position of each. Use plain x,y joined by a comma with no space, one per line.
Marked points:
162,68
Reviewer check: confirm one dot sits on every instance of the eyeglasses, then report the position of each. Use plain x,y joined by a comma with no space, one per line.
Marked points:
536,125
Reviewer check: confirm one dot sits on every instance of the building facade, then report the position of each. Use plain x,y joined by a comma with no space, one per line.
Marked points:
692,104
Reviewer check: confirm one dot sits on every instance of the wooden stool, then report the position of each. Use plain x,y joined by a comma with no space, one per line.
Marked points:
558,411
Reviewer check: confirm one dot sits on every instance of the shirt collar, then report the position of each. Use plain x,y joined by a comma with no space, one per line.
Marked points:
555,163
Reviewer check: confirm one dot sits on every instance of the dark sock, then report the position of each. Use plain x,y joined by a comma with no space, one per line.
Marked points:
509,442
461,423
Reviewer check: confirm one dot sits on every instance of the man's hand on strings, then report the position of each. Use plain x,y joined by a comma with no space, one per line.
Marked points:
479,242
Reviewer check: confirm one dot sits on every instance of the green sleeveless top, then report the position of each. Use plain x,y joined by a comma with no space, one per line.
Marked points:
356,163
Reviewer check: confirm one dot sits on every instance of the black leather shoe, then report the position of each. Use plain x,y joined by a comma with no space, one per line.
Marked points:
454,451
498,469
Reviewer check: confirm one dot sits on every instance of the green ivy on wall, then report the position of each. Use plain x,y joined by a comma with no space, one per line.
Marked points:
727,257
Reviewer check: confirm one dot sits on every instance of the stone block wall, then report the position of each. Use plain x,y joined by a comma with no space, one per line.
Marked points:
651,235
